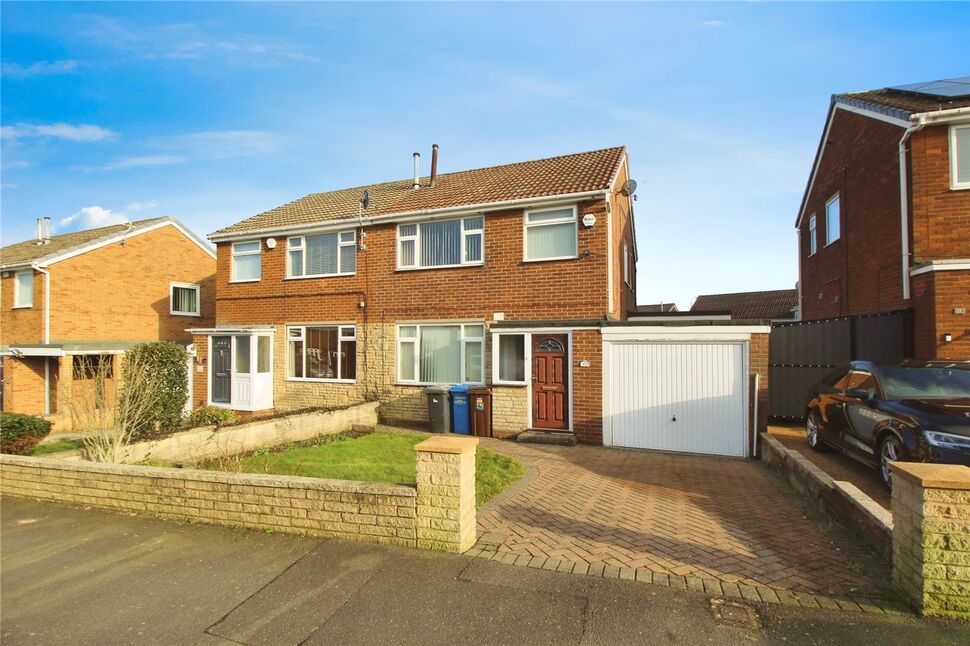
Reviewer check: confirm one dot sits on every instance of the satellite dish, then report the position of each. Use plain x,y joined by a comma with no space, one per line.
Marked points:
629,187
365,199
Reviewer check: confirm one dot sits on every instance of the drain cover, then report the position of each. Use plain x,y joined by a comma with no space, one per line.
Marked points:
735,612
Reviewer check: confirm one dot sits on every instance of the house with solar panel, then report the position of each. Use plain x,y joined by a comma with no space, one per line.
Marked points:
884,223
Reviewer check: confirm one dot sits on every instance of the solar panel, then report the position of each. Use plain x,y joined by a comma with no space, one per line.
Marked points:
954,87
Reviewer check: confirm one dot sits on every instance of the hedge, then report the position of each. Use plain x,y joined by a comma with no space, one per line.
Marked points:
167,361
19,434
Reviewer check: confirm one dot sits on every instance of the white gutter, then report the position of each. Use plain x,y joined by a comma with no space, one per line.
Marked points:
47,301
904,207
941,116
405,215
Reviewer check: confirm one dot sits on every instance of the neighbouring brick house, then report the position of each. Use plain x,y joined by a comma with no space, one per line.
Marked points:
70,302
505,276
885,220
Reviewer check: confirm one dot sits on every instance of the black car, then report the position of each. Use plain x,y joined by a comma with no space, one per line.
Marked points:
878,414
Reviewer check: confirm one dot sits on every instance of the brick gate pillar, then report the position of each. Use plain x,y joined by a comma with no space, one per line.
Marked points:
446,519
931,537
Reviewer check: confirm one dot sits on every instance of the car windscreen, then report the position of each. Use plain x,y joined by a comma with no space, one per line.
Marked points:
925,383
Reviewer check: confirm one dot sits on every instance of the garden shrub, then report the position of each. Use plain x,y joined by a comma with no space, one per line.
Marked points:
164,363
211,415
19,434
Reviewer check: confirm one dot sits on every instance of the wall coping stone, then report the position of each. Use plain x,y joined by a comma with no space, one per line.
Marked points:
934,476
447,444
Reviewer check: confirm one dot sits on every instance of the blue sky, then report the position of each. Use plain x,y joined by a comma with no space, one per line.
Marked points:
212,112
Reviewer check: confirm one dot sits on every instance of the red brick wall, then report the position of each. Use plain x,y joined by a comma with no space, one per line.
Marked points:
624,296
23,325
758,364
588,386
23,385
862,271
935,295
941,216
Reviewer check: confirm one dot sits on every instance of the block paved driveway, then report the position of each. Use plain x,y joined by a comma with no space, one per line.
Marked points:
675,515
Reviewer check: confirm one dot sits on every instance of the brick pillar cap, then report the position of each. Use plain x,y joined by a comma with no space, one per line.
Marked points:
447,444
933,476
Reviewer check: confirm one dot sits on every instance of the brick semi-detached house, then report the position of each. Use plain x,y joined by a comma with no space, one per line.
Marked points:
70,302
885,220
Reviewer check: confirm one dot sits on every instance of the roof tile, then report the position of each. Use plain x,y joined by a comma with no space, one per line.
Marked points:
30,251
775,304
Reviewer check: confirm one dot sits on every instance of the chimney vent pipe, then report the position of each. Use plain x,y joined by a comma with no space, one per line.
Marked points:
434,164
417,158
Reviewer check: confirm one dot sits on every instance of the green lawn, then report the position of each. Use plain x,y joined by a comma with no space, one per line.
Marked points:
377,457
57,447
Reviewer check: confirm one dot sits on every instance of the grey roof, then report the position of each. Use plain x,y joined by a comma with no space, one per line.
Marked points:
903,101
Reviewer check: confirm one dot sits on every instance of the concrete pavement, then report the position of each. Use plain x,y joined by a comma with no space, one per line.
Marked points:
77,576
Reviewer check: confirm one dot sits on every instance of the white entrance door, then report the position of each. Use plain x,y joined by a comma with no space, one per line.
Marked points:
678,396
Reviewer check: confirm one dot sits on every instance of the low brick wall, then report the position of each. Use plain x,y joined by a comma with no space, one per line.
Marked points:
438,513
931,542
837,499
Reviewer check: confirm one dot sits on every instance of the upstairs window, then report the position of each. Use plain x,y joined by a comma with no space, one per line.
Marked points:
184,299
247,263
551,234
626,263
447,243
960,157
328,254
833,220
23,289
812,236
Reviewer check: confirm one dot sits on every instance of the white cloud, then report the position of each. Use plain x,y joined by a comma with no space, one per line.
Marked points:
80,132
39,68
141,206
15,164
220,144
91,217
142,161
714,24
6,185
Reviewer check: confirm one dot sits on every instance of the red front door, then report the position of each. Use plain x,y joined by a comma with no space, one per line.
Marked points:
549,381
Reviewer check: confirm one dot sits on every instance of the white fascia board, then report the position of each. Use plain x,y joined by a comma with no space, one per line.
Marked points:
955,115
14,351
684,333
408,216
825,136
952,265
243,329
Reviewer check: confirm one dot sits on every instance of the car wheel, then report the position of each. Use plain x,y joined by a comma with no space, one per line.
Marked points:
890,450
813,428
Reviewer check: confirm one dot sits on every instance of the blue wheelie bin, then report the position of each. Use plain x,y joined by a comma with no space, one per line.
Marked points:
460,415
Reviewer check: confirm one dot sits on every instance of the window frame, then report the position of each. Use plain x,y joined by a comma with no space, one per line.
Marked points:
955,183
573,219
340,327
626,263
235,254
813,235
465,233
526,358
171,298
341,244
17,305
464,340
828,229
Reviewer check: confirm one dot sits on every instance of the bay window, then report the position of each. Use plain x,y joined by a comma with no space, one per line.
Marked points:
328,254
322,353
551,234
446,353
444,243
246,262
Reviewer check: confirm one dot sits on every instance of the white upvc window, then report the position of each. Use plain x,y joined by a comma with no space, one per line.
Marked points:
551,234
626,263
510,358
812,235
326,254
441,353
246,262
441,243
321,353
960,157
23,289
833,219
184,299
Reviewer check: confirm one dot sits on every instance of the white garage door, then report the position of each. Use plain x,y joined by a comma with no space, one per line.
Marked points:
678,397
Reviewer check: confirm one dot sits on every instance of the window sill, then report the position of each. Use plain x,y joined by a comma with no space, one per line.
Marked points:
320,276
310,380
510,384
192,314
576,257
251,280
426,384
960,187
466,265
22,307
829,244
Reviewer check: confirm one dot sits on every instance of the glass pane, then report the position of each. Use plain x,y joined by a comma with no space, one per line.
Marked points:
473,248
321,254
348,361
407,253
550,345
348,259
558,214
511,357
296,263
25,288
441,243
963,154
295,359
408,331
406,360
474,224
241,247
183,300
262,354
474,331
832,221
473,361
347,333
295,243
242,355
409,230
247,267
321,353
347,236
551,241
440,354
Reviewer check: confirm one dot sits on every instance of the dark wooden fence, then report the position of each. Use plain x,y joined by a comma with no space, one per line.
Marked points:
802,352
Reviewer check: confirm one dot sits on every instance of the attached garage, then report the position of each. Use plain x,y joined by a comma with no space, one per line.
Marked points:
678,388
